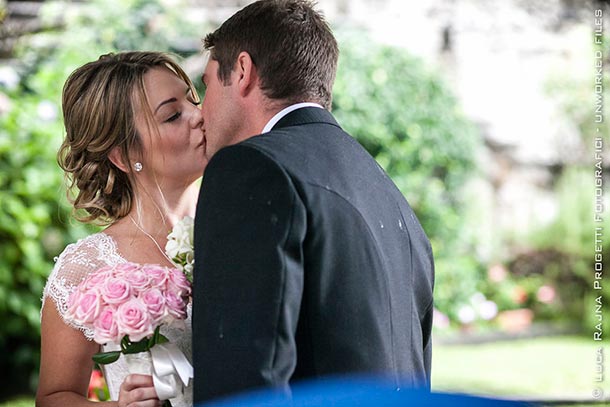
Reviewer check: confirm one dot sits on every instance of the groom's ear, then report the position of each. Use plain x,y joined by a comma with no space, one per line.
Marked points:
116,158
247,74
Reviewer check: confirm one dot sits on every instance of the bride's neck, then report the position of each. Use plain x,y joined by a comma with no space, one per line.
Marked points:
158,212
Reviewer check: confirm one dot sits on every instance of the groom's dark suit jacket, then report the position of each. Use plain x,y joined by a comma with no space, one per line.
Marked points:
309,262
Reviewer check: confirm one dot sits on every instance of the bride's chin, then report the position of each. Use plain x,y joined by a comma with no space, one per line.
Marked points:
197,176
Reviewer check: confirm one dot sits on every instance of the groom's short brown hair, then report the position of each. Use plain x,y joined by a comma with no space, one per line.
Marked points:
290,44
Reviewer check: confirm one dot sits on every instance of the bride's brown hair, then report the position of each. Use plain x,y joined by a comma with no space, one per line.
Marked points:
99,102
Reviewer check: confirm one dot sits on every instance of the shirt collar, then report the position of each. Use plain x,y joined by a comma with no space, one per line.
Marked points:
278,116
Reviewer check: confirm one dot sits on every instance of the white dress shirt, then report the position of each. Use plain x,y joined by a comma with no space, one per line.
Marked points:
278,116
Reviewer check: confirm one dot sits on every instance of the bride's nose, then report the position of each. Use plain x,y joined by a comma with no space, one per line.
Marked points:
196,119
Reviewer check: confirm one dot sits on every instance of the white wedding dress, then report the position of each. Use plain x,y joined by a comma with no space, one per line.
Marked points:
71,267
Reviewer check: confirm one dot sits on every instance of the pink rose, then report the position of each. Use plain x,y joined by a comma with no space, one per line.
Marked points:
158,275
84,307
124,269
178,283
105,269
137,279
74,297
175,305
133,319
155,303
105,328
96,280
115,290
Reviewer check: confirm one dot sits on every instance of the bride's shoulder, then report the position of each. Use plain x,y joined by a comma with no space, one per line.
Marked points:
76,262
99,245
87,245
86,255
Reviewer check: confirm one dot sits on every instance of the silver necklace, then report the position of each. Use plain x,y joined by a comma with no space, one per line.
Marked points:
151,238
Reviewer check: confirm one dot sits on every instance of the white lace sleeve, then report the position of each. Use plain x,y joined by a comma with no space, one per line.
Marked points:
73,265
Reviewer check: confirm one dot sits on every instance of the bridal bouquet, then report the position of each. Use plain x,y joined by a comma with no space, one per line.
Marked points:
179,246
126,304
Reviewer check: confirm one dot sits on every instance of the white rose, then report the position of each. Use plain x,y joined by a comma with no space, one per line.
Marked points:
171,248
179,245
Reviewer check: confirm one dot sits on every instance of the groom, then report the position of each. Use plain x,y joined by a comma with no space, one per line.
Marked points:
309,261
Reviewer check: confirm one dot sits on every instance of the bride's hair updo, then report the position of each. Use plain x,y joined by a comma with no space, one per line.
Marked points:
99,103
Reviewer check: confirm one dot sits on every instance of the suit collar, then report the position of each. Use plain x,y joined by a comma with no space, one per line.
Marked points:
278,116
306,115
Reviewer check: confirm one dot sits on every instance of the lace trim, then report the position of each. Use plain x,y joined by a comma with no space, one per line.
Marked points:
88,254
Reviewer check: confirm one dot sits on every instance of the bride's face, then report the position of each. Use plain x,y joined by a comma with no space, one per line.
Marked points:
173,144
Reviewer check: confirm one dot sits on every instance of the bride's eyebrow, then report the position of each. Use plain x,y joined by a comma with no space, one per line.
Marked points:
170,100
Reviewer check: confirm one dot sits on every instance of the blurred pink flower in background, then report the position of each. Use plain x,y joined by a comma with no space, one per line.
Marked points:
497,273
440,320
519,295
546,294
97,390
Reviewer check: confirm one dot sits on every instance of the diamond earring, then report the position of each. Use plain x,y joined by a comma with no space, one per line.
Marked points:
137,166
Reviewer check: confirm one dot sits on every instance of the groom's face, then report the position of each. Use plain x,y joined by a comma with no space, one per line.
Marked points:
220,111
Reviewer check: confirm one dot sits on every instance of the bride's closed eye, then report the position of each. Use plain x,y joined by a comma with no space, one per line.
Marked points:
177,115
173,117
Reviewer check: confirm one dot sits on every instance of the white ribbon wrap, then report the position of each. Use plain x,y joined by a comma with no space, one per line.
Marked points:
168,366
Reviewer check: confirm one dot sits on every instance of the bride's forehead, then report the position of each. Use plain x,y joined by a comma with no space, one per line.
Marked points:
159,78
160,84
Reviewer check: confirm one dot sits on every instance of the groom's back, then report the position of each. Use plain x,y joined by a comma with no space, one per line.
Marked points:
366,304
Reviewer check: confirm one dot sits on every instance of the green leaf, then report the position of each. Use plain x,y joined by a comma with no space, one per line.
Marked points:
103,358
125,343
137,347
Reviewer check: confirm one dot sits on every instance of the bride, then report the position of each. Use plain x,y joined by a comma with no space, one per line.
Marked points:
133,151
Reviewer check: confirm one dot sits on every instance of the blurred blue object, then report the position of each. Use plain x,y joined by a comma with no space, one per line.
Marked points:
354,392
